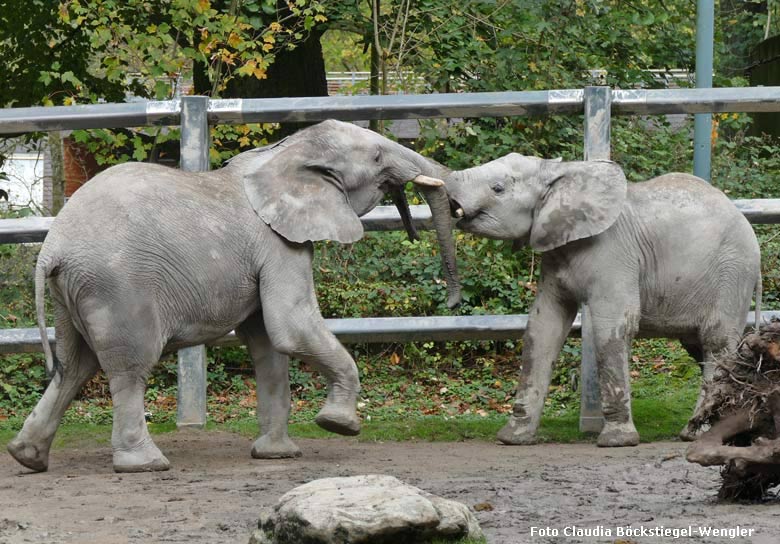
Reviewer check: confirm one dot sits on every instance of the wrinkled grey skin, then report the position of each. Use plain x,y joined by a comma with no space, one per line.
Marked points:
671,256
146,259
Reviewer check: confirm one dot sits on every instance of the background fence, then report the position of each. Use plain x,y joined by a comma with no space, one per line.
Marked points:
196,113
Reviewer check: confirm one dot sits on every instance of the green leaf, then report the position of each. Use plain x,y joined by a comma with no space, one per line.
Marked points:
161,89
139,152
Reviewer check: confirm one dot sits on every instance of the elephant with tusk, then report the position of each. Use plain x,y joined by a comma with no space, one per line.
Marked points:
145,260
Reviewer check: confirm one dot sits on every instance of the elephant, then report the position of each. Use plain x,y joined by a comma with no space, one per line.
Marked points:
671,256
146,259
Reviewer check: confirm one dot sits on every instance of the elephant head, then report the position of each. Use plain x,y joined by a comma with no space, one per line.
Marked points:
315,184
544,203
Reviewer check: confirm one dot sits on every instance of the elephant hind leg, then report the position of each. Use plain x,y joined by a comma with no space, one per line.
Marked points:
711,346
79,364
134,449
128,350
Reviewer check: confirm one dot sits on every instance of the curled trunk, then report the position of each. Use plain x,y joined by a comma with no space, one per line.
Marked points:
430,183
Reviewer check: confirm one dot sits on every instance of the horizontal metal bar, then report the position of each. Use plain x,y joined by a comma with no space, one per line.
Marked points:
353,330
382,218
369,330
764,211
407,106
26,229
132,114
661,101
410,106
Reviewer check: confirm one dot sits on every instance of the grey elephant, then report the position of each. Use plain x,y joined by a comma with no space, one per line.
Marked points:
670,256
146,259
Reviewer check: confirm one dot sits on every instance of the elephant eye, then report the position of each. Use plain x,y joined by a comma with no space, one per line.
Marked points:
498,187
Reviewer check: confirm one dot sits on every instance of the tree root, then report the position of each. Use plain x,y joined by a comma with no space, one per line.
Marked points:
742,406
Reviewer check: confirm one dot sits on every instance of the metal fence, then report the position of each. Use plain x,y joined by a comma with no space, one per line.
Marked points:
196,113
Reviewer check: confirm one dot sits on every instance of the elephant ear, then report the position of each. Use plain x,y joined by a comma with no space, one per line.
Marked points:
301,201
582,199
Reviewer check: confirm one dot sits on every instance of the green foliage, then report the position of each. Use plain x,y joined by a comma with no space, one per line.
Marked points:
146,47
386,275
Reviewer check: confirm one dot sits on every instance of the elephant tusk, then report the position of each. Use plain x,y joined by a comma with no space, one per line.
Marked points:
428,181
459,212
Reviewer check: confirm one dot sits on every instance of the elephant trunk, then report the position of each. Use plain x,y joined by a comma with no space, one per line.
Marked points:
442,221
429,181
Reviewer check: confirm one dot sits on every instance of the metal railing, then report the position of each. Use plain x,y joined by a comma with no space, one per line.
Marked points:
196,113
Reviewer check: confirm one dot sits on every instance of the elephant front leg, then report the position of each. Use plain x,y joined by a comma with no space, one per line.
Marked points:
549,323
612,339
272,373
296,328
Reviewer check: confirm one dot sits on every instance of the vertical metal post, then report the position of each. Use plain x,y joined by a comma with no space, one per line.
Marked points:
195,140
702,125
598,117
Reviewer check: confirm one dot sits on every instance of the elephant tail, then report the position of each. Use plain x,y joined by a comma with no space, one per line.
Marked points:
759,292
43,270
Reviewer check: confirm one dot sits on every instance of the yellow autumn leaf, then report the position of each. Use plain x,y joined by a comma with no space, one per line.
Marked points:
267,47
532,66
248,68
269,38
227,57
233,40
259,73
68,101
274,27
320,18
202,6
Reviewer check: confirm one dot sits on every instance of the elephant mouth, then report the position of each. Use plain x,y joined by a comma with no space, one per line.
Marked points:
456,209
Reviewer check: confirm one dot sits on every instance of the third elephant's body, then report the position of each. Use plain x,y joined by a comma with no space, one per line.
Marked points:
669,257
686,259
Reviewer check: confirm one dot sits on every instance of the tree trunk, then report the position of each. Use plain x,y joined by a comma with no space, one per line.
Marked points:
294,72
737,58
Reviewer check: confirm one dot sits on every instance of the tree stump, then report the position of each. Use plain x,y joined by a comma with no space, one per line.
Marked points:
742,408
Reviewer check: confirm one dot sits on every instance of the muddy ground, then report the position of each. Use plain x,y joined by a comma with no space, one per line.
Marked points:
214,490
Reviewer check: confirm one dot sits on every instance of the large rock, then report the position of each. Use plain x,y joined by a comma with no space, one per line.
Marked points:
376,509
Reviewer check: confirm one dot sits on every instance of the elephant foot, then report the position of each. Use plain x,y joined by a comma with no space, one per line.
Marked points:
339,420
616,435
145,457
517,432
28,454
267,447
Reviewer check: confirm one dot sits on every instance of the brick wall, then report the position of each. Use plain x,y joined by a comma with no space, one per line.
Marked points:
80,165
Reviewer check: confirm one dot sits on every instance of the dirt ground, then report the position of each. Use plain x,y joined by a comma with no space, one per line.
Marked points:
215,490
